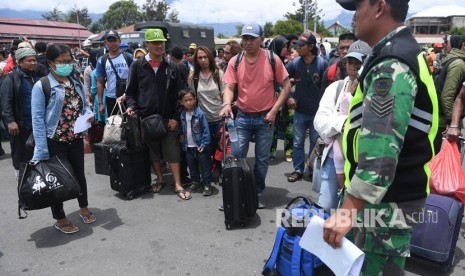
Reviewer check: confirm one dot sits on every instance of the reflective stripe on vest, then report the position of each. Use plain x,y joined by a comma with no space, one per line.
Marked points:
420,119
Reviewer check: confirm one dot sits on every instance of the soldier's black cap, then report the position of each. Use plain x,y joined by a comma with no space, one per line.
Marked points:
350,4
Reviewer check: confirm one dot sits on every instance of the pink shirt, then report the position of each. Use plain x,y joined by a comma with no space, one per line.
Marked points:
255,82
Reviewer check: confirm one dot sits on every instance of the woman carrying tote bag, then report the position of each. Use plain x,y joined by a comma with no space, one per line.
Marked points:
53,126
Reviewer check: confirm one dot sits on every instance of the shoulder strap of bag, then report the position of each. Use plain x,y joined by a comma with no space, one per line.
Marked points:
127,58
340,85
271,263
196,83
296,257
46,88
113,67
238,59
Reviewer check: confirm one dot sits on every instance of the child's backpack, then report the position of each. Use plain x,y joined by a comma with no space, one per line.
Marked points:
287,257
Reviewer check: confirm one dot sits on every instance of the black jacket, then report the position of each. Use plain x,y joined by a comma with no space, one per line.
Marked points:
146,91
10,95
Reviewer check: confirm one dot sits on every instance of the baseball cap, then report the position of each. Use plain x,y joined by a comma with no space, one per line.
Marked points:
111,33
359,50
306,38
154,35
252,29
350,4
438,45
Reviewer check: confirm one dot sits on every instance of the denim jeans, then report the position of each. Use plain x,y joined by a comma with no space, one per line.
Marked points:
302,122
194,158
329,186
254,126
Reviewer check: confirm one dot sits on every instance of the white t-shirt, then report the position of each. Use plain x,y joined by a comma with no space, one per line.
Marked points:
190,140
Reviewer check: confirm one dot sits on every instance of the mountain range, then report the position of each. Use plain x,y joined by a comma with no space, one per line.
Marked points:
227,29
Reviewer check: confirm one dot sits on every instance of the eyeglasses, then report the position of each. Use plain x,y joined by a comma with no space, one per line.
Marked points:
56,61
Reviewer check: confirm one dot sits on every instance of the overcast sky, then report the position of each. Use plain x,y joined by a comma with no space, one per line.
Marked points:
213,11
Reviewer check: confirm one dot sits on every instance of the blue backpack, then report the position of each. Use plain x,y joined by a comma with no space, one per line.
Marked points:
287,257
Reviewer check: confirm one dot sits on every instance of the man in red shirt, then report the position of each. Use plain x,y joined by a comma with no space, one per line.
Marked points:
257,101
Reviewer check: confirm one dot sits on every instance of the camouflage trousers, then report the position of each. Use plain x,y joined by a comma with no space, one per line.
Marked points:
284,124
384,231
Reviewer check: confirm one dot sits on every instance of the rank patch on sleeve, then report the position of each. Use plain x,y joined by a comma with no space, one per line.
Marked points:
382,86
381,106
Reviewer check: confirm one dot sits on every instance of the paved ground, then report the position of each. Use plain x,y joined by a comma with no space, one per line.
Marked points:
152,234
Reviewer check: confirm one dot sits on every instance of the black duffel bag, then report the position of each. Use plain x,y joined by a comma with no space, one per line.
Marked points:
42,184
154,127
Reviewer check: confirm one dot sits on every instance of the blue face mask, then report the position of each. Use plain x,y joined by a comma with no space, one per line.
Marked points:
63,70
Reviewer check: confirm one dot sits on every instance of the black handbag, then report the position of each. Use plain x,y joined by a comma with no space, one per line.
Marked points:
132,132
30,142
154,126
42,184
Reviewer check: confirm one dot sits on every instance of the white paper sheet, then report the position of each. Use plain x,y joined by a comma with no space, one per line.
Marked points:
346,260
82,123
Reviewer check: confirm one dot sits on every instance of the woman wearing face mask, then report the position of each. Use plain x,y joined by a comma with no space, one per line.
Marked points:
53,126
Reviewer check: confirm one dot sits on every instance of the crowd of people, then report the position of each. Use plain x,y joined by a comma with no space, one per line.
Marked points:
372,100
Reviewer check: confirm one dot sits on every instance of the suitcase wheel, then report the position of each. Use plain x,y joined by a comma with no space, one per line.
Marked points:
228,226
130,196
446,268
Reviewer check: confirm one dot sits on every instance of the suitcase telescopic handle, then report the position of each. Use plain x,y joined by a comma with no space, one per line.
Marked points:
224,139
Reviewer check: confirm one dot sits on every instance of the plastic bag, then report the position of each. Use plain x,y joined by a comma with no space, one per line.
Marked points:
44,183
447,175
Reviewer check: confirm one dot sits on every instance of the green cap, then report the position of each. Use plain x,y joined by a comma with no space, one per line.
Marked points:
154,35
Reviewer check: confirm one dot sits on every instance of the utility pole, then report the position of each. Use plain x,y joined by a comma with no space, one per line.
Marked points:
79,30
305,15
315,18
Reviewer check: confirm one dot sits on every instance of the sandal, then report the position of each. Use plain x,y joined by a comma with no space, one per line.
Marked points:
157,187
67,228
88,218
294,176
183,194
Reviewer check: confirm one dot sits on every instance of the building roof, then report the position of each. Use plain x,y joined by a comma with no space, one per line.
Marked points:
440,11
42,30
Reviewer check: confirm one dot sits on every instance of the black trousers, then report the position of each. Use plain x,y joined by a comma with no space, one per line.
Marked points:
110,102
19,153
74,152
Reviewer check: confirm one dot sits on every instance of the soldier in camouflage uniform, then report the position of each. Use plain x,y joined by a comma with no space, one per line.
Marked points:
388,140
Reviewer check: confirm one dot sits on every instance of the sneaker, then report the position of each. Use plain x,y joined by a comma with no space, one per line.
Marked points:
194,186
261,202
221,208
207,190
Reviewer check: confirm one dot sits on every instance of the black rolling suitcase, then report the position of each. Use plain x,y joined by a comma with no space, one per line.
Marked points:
240,200
129,170
101,158
434,238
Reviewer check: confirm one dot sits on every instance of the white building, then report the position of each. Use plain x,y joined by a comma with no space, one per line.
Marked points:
437,20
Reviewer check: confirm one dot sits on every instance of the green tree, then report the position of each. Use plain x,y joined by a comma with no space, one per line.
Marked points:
173,16
239,30
221,35
96,27
54,15
121,14
84,19
313,18
287,27
268,29
457,31
156,10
